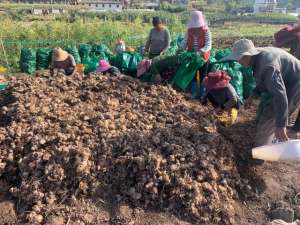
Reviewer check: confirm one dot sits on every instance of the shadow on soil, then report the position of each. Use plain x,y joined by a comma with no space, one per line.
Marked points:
241,136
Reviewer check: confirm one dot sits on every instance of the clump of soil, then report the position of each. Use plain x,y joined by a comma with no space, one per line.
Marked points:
66,137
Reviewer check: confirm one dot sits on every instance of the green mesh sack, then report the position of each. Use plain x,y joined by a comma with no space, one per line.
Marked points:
222,53
237,82
43,58
90,64
28,60
84,50
249,82
73,50
101,49
172,49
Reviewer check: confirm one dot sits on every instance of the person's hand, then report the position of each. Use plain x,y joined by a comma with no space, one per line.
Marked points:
281,134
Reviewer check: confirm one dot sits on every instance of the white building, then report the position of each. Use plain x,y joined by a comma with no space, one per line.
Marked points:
98,5
145,4
265,6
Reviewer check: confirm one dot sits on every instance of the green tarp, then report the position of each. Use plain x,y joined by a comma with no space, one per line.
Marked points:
90,63
127,62
190,63
237,81
84,50
28,60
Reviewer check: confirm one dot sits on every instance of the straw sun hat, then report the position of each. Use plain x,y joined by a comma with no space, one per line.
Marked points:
59,54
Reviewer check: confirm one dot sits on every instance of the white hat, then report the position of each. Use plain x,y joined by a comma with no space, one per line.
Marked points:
241,48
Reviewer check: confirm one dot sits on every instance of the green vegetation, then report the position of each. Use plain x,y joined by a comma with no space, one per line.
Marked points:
21,29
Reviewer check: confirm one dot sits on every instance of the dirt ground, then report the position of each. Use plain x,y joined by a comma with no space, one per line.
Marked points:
270,184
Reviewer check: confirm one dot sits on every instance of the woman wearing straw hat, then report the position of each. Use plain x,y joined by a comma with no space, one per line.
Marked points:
198,39
62,60
277,73
159,39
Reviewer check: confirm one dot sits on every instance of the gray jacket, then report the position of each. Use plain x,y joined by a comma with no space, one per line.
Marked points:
277,73
158,41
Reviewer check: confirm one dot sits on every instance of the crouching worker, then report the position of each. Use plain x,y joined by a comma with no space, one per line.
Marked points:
62,60
105,68
159,70
277,73
223,96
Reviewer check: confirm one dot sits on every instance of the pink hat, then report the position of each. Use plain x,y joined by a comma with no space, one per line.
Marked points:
103,66
197,20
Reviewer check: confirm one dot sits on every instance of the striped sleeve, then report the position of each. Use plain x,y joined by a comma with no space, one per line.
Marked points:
208,42
183,43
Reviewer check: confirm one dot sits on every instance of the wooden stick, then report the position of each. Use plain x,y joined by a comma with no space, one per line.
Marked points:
5,56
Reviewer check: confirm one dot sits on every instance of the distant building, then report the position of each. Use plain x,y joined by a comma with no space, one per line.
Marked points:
177,2
146,4
62,2
265,6
45,11
98,5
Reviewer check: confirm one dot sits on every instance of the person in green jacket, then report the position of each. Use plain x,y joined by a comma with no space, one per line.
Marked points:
159,39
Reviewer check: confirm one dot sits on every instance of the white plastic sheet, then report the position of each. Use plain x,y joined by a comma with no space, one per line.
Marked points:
285,151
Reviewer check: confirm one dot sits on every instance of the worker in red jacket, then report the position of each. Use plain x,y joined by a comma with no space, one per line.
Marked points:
198,39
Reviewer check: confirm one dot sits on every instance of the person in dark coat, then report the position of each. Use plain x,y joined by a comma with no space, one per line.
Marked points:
277,73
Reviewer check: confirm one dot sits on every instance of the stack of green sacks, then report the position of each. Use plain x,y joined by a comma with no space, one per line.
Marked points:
43,58
88,58
73,50
28,60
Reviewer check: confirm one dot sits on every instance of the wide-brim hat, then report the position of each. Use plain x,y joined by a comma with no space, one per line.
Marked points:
243,47
59,54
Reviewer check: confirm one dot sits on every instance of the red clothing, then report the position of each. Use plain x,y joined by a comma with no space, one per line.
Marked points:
197,36
217,80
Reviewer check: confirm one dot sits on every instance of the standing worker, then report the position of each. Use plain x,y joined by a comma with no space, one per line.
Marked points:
198,39
277,73
61,60
289,37
159,39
